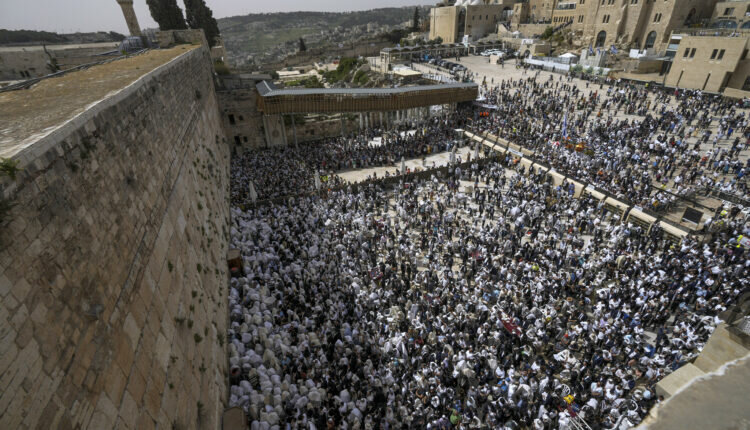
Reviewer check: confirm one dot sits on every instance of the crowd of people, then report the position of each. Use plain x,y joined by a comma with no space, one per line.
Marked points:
432,305
627,140
487,296
279,172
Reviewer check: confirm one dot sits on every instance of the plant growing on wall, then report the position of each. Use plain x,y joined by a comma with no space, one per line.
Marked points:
9,168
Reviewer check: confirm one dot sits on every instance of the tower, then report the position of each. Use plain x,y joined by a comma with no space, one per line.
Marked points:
130,18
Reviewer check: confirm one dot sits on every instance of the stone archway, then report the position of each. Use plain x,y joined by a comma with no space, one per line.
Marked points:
601,39
650,40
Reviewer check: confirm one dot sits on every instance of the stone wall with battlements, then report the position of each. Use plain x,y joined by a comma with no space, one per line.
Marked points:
112,262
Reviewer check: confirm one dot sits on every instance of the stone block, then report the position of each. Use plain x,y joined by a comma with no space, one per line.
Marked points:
136,385
114,382
21,289
677,379
39,314
132,330
128,410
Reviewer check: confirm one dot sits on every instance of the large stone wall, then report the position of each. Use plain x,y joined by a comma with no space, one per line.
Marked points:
112,272
241,120
24,62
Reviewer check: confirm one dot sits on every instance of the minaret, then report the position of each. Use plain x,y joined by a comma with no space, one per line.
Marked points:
130,18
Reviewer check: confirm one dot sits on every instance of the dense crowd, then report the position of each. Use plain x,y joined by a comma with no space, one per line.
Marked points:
641,146
630,141
291,170
487,297
430,305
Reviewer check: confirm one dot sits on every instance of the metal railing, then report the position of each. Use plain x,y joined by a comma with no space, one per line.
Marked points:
709,32
659,217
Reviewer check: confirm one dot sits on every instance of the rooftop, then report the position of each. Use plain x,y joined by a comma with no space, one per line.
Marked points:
28,115
268,89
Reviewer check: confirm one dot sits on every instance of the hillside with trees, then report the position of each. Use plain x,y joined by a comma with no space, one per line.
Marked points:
266,37
32,37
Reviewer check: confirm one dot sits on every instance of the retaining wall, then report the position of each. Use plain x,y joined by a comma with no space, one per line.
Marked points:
112,272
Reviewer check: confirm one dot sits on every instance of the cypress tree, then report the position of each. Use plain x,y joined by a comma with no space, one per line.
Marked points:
167,14
415,20
200,16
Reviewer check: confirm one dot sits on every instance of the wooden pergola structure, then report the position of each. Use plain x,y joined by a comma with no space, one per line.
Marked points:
275,101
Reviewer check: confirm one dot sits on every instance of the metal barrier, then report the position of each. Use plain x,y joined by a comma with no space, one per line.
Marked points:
671,230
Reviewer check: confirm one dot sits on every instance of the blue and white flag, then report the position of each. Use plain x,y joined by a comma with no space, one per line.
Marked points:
565,126
613,49
591,50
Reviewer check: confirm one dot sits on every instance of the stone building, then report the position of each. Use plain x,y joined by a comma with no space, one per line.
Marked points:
731,14
713,57
711,61
475,20
572,12
637,24
640,24
240,118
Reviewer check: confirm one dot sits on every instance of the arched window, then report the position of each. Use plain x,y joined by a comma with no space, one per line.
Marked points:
650,40
746,24
601,38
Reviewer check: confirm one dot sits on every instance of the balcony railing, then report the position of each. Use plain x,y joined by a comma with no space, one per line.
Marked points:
566,6
712,32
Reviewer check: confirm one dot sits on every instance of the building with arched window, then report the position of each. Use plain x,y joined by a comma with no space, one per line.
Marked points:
635,24
713,57
731,14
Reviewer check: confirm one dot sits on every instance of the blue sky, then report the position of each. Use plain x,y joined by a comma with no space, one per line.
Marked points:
66,16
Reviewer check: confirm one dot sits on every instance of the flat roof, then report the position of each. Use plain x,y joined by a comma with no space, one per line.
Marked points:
29,115
268,89
407,72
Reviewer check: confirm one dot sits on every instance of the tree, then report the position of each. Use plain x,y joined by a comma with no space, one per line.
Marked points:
548,32
167,14
395,36
415,20
302,46
200,16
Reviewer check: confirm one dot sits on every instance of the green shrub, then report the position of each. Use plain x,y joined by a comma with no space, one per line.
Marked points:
9,167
